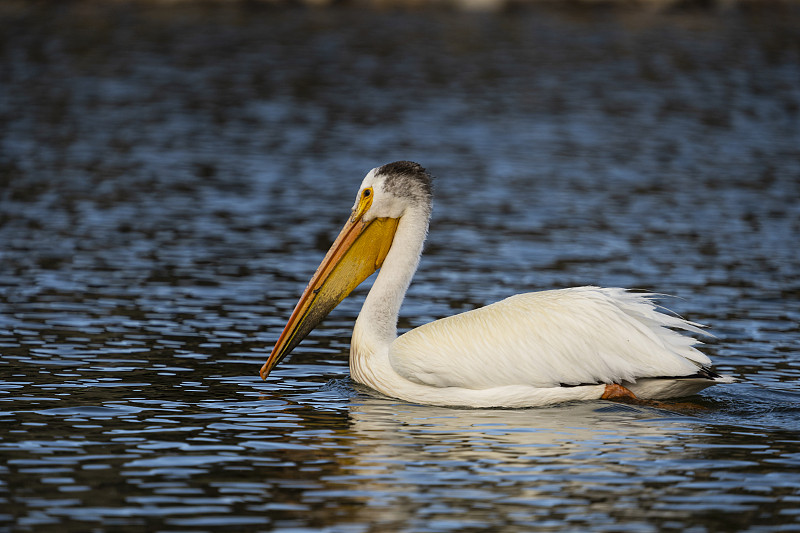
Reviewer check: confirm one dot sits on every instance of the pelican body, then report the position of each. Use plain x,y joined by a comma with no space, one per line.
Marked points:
581,343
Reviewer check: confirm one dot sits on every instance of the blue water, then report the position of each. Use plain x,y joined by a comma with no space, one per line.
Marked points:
170,177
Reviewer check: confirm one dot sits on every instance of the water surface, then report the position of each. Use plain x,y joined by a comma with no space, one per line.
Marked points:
170,176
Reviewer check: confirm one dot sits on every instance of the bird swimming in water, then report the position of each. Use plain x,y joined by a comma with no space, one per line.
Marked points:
532,349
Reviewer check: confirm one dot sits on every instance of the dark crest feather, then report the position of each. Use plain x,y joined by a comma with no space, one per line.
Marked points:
407,178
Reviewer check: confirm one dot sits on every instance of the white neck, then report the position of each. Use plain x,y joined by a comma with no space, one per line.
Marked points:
376,326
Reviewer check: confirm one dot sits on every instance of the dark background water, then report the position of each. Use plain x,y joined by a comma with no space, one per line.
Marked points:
170,176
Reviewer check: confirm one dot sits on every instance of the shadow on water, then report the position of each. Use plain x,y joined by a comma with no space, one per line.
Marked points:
170,176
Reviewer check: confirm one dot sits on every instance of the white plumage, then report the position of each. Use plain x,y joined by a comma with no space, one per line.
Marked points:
527,350
548,339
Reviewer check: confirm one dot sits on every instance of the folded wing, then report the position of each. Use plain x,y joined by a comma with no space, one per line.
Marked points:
582,335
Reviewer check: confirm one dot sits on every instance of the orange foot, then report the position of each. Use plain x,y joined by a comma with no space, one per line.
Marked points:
618,393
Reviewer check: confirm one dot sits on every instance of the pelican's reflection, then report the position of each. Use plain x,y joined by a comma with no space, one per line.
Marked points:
551,431
409,458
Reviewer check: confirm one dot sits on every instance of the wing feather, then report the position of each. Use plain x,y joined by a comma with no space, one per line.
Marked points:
571,336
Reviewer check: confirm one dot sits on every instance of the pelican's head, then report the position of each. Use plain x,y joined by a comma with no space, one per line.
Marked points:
392,190
387,193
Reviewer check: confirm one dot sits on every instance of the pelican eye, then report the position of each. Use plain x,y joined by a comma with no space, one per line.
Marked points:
363,204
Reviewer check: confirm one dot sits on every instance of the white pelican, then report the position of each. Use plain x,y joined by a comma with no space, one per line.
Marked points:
533,349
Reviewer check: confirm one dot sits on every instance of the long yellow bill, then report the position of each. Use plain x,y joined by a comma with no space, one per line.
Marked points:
357,252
